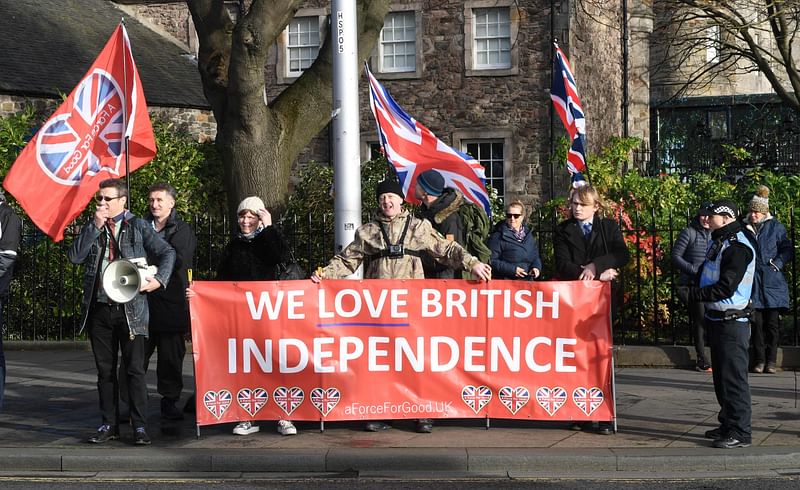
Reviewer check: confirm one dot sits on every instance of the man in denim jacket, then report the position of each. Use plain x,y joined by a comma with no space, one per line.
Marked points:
114,233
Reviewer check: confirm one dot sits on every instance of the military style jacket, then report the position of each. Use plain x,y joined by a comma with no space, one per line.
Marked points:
370,247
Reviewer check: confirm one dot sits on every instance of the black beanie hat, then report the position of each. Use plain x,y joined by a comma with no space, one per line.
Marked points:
389,185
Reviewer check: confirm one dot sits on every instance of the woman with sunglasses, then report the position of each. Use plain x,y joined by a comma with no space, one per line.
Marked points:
515,253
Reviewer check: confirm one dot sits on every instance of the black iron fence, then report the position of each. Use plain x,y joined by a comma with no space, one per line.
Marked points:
44,299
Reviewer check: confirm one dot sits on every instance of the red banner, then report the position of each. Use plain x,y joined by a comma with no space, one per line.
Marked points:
395,349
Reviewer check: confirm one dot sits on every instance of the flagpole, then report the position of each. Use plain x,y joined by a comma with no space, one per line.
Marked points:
377,121
125,136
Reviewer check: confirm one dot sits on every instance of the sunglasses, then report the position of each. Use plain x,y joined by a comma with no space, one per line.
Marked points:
105,198
513,215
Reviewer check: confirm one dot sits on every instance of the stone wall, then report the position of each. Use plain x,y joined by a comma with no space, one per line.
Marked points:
198,123
456,106
172,17
595,51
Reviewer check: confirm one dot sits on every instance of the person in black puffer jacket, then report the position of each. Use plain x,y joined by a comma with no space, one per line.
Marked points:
515,253
688,255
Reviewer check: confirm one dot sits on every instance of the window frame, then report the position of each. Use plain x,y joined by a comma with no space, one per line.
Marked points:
470,63
461,138
376,59
283,74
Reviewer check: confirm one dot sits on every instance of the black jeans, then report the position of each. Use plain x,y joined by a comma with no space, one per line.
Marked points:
108,332
697,310
169,368
729,341
766,333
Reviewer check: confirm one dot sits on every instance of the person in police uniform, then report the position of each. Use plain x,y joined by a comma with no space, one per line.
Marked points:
726,283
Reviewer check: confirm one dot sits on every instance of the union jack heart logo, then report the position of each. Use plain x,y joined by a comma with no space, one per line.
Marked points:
514,398
217,402
87,137
588,399
325,400
551,399
252,400
288,398
476,397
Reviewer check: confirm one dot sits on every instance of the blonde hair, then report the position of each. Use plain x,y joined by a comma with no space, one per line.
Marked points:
516,204
587,193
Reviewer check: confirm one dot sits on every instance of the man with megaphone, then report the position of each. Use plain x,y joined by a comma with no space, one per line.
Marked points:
114,306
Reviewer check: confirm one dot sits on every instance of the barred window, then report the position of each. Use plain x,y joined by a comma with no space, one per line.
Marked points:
490,154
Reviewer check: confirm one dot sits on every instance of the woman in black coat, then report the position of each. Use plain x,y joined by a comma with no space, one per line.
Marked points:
515,253
253,254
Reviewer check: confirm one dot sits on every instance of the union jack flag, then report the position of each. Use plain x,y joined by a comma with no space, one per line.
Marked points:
288,398
476,397
98,105
551,399
412,149
252,400
514,398
217,402
564,94
325,400
587,399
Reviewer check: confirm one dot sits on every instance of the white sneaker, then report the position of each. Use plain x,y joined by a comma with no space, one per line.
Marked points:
245,428
286,428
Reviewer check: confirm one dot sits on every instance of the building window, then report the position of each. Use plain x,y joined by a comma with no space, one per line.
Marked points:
490,47
302,45
398,47
490,154
714,41
492,40
374,150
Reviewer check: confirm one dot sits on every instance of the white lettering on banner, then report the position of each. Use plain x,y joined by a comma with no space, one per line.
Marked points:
250,349
352,307
403,349
530,355
499,348
470,353
283,352
406,408
491,303
386,354
273,305
437,366
562,354
374,352
346,355
320,355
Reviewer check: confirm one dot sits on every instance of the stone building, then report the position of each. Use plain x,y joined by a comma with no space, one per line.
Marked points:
476,72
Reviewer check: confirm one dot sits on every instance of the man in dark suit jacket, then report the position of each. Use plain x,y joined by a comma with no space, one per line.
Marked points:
589,247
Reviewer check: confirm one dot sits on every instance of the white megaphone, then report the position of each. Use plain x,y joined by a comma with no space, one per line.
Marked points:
123,278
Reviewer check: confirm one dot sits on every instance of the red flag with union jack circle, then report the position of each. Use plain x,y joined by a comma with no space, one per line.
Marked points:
84,141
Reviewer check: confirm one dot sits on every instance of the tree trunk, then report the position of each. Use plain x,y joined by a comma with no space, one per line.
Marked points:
259,142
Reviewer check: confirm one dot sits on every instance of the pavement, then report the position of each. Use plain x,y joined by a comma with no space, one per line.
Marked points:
51,409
